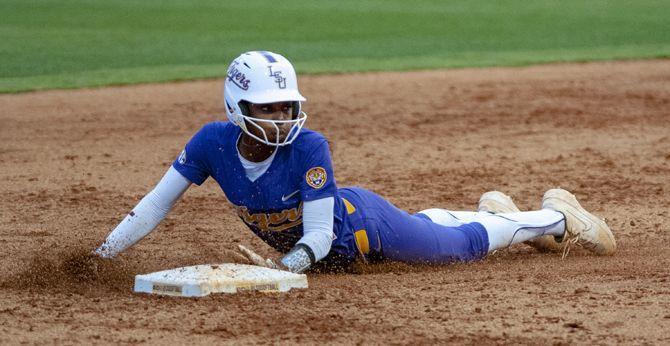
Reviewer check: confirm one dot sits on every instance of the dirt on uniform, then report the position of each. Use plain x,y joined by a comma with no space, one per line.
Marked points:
74,162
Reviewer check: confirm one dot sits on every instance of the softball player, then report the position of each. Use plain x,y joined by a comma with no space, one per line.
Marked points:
279,176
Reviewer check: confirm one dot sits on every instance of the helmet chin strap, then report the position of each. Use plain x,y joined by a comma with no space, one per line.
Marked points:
296,126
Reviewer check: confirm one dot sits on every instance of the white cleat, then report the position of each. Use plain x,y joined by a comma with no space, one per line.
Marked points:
582,227
497,202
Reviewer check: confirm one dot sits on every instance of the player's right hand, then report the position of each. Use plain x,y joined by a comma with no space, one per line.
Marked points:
102,252
255,258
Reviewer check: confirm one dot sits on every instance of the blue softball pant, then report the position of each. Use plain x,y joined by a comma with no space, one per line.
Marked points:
383,231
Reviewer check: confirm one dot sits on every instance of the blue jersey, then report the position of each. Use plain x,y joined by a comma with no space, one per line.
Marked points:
365,225
271,206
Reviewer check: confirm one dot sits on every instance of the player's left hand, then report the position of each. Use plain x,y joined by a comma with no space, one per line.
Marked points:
257,259
297,260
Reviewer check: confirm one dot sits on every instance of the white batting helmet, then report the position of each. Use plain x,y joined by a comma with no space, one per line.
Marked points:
261,77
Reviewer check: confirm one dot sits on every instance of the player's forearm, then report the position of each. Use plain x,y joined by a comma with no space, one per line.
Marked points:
146,215
318,242
135,226
318,226
317,239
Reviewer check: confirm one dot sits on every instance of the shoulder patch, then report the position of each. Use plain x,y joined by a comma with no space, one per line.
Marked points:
316,177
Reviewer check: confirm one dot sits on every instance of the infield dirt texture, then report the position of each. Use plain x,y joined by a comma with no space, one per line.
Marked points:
75,162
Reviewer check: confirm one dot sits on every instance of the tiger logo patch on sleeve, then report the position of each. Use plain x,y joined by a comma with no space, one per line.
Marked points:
316,177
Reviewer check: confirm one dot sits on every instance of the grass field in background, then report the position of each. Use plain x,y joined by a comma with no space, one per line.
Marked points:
67,44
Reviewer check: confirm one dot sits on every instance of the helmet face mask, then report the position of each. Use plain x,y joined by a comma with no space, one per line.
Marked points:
261,77
296,125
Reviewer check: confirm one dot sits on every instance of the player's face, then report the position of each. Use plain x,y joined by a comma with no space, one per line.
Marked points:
271,111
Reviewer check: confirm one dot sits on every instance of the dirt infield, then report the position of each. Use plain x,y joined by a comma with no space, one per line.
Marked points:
75,162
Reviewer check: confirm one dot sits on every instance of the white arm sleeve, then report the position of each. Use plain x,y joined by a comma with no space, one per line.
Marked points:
146,215
317,222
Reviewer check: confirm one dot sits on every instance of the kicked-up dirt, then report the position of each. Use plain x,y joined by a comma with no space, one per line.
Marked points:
73,163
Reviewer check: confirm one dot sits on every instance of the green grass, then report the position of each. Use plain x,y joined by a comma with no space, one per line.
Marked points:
69,44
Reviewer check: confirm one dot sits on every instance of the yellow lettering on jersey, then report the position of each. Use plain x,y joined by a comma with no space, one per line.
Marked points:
278,218
274,222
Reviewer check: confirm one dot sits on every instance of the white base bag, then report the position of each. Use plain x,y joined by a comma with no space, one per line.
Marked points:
202,280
